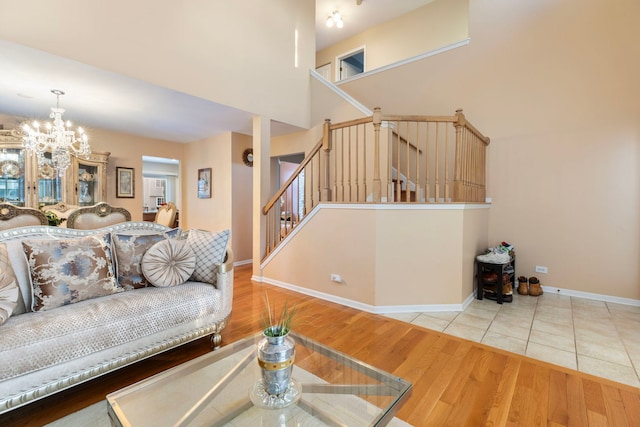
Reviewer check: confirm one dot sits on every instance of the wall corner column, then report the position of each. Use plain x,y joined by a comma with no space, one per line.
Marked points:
261,180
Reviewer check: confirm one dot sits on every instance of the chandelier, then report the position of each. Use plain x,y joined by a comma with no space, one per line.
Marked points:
57,138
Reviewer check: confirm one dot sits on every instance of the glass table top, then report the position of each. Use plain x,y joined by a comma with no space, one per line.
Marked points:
214,390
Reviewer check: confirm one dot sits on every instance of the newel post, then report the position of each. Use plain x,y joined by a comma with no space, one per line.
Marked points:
326,147
377,184
459,163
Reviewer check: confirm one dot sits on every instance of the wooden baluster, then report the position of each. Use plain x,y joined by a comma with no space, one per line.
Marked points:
447,190
337,171
465,164
437,164
483,165
357,165
418,187
427,166
377,185
364,162
468,155
349,149
457,168
398,188
391,186
326,147
406,169
477,169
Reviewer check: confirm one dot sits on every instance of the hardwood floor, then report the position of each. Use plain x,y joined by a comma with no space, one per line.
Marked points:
455,382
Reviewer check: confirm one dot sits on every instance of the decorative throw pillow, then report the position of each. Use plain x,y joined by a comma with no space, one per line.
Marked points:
68,271
168,263
210,248
9,290
129,252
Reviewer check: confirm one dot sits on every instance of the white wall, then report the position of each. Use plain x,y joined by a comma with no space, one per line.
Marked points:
236,53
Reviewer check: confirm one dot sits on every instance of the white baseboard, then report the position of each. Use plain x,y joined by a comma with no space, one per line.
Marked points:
552,290
239,263
427,308
423,308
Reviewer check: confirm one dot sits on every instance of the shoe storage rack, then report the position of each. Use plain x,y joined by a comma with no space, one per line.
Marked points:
492,280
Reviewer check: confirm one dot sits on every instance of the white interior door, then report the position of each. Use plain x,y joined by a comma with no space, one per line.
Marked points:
325,71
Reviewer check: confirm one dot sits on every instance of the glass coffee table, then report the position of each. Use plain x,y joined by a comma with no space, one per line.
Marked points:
214,390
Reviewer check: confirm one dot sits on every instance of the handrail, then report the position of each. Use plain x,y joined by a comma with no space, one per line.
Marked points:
440,119
293,176
351,123
462,120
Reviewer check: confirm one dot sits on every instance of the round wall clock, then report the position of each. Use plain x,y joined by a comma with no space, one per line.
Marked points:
247,157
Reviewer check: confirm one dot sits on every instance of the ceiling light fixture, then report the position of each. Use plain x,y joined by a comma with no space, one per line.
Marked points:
57,138
336,19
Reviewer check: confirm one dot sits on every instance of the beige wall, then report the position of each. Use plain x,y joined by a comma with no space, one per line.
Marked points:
327,104
214,213
562,111
327,239
241,203
127,151
385,255
430,27
236,53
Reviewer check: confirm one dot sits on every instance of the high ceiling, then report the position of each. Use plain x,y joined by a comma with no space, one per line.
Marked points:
102,99
358,15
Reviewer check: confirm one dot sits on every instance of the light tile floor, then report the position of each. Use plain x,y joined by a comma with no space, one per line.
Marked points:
596,337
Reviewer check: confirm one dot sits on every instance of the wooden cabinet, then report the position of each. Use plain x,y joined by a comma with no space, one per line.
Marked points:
23,182
88,184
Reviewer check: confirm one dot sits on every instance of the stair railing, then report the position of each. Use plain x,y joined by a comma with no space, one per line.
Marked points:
383,159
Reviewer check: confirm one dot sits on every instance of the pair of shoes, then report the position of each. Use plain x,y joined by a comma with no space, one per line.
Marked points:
535,289
490,291
507,289
523,287
490,277
494,258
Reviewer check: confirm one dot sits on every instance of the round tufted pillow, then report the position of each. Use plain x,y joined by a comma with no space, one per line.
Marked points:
168,263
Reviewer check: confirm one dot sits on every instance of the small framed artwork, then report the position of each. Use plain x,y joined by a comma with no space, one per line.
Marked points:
124,182
204,183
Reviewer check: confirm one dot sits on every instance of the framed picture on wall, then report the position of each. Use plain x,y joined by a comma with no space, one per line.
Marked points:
204,183
125,182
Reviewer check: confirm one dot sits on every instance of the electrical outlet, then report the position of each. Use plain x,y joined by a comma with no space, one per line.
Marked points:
336,278
541,269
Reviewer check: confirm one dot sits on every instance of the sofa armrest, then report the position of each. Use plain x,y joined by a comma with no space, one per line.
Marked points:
227,264
224,281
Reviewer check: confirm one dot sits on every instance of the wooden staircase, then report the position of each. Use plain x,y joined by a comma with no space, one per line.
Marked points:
437,159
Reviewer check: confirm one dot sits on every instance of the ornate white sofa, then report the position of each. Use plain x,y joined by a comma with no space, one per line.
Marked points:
44,352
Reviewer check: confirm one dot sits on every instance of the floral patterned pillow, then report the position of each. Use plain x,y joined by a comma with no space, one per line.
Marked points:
70,270
129,252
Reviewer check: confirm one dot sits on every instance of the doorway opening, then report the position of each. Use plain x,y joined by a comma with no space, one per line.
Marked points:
292,202
161,182
350,64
